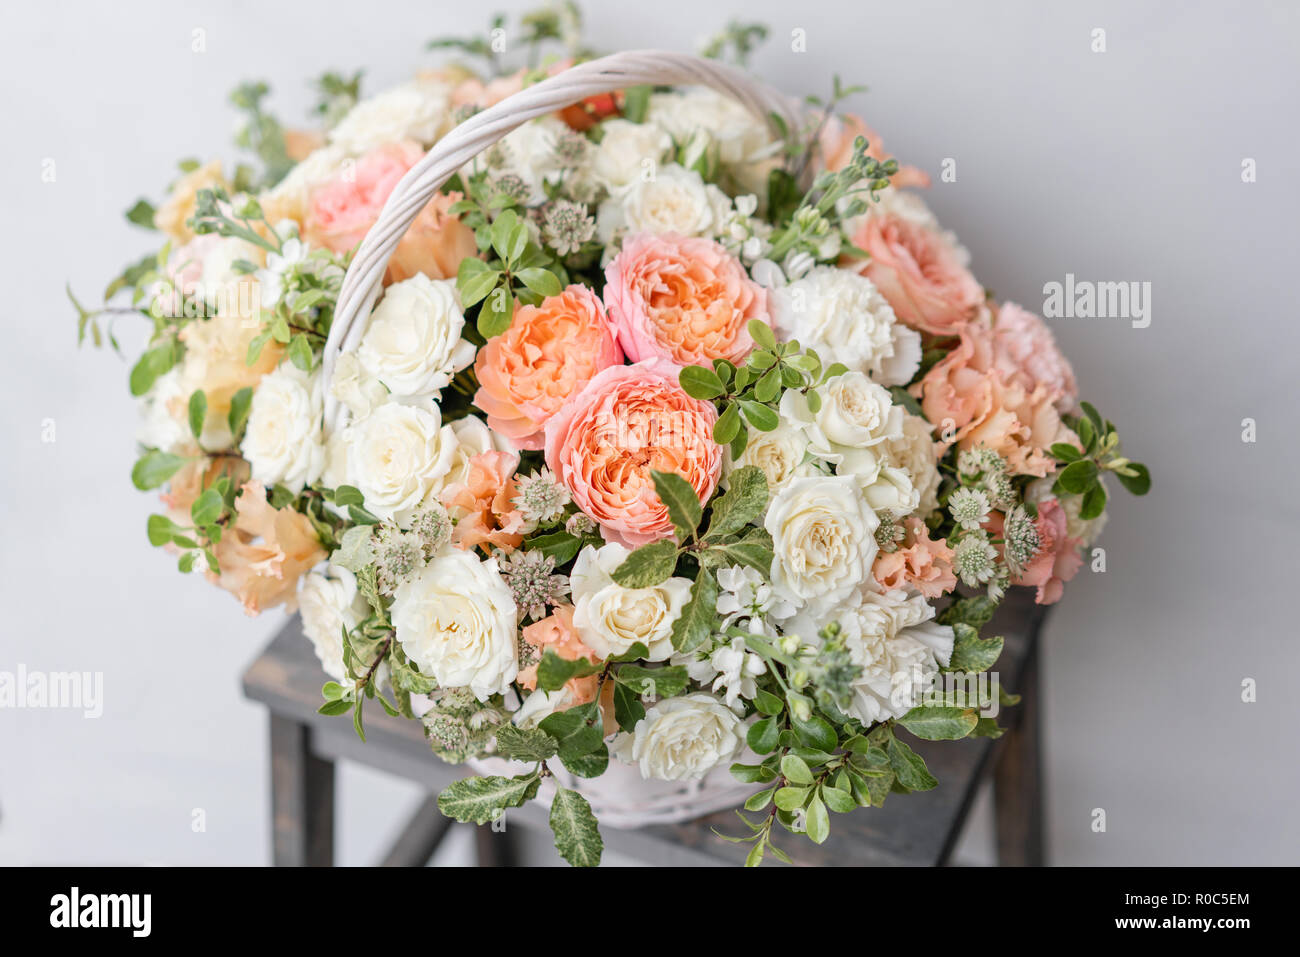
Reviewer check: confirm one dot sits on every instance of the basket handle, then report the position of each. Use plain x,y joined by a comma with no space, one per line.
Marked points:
362,283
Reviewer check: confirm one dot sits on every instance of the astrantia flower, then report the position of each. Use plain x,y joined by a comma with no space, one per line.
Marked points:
566,227
890,532
432,526
540,498
969,508
579,524
979,460
1020,538
532,582
974,559
398,555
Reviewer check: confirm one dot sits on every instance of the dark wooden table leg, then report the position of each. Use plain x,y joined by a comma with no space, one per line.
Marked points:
1017,776
420,838
302,799
493,848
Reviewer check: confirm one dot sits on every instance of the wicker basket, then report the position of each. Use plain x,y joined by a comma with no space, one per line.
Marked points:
621,797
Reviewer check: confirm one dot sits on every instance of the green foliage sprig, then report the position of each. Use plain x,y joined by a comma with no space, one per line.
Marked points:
1082,472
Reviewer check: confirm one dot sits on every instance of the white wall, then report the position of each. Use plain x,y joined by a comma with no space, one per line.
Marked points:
1123,165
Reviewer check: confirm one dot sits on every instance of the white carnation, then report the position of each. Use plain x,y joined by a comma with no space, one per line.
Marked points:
628,153
684,737
163,423
417,110
610,619
456,621
397,456
283,441
412,342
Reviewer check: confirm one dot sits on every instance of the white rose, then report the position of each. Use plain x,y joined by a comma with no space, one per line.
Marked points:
353,387
627,151
540,705
397,456
746,146
412,342
417,110
329,604
823,539
779,453
913,452
163,425
849,429
473,437
684,737
842,315
676,200
610,619
456,622
283,441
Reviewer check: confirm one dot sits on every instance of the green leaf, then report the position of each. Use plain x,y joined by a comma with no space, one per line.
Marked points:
540,280
762,334
520,744
909,768
757,802
553,671
300,353
760,416
970,653
816,732
480,800
496,313
160,529
207,508
241,403
509,236
976,612
763,735
628,709
940,724
728,425
636,100
681,500
648,565
335,708
1077,476
1138,484
701,383
752,773
1065,452
754,550
577,837
153,468
818,822
1094,502
474,280
577,731
562,546
768,703
790,798
141,214
663,682
198,412
796,770
348,495
742,503
151,365
695,624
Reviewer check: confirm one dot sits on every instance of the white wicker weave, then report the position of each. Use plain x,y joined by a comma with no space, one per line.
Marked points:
620,797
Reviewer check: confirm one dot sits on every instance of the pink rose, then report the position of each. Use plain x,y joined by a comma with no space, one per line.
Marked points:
625,423
920,273
685,299
1025,352
1057,559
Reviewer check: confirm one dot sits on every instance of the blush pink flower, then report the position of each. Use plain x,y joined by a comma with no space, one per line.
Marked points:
483,505
685,299
1025,352
920,273
835,144
342,209
920,561
556,633
626,423
1057,559
549,352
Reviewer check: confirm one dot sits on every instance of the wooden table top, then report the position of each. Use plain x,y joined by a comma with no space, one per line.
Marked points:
911,829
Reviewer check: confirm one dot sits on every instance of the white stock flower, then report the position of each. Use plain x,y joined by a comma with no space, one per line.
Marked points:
278,266
845,319
628,153
456,621
823,538
745,594
610,619
330,603
682,738
737,668
397,456
675,200
780,454
412,342
283,440
416,110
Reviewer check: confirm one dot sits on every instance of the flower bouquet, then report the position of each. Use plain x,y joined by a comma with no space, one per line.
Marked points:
618,413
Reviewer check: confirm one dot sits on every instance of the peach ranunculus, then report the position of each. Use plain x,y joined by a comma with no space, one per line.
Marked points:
265,553
967,398
835,144
627,422
919,561
549,352
178,207
482,504
1057,559
556,633
1025,352
920,273
342,209
685,299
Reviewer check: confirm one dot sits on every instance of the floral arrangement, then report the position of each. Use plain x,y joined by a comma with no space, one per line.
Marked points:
675,439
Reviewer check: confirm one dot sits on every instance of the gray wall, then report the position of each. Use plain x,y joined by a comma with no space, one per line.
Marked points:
1123,165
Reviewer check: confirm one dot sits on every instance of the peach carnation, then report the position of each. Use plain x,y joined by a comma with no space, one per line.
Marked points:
627,422
920,273
342,209
920,561
548,353
1025,352
557,634
265,553
1057,559
836,146
681,298
482,503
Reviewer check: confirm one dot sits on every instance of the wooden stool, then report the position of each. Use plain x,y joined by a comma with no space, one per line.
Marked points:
914,829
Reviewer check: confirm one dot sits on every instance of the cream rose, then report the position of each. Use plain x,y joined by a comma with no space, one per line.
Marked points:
627,153
823,538
849,429
610,619
675,200
456,622
418,110
412,342
283,441
843,316
684,737
913,452
780,454
329,604
745,145
397,456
